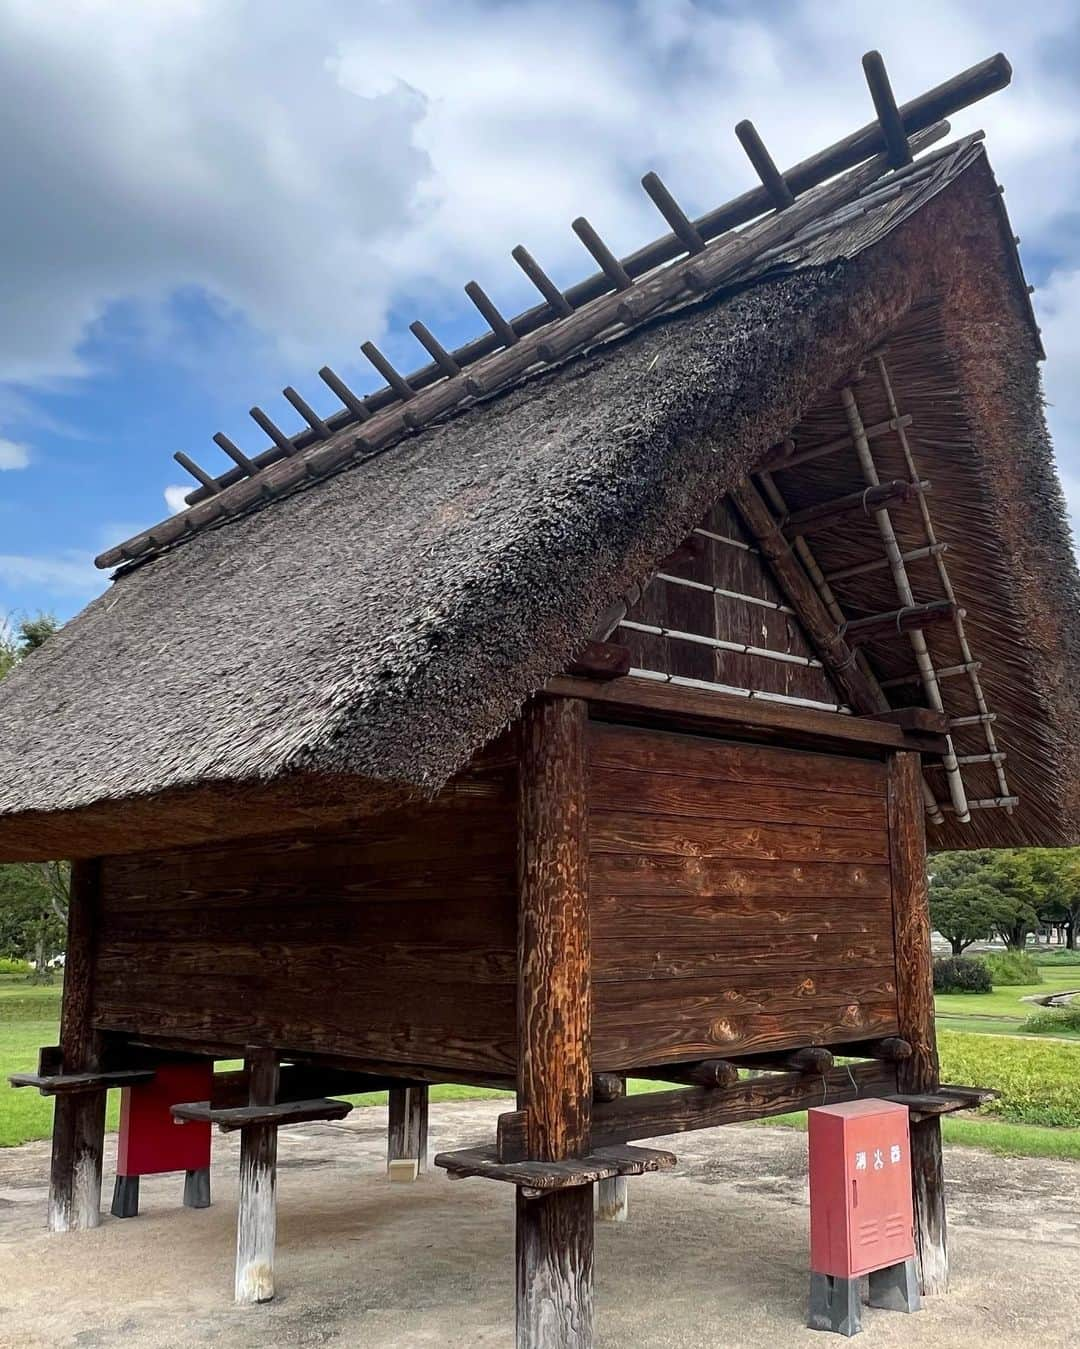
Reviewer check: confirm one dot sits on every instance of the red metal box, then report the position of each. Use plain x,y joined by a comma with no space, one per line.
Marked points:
861,1216
150,1140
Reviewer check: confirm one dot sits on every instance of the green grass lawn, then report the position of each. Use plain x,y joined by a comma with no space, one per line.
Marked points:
1002,1012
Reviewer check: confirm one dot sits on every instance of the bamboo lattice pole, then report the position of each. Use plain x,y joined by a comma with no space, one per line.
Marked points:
906,596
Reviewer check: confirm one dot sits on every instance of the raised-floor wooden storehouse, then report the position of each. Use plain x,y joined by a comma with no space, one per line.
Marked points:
581,705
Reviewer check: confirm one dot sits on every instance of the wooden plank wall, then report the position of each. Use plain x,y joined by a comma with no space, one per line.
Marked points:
685,609
393,939
740,898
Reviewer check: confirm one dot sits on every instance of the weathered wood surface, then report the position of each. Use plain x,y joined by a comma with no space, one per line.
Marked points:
707,561
918,1074
79,1118
809,1059
62,1084
706,1073
655,1114
613,1200
256,1220
702,949
407,1128
232,1118
554,1233
409,918
538,1178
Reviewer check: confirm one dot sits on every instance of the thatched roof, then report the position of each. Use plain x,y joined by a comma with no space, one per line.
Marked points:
390,618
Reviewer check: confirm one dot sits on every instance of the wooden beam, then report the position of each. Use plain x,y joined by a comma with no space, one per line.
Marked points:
656,1113
256,1222
917,1074
772,180
825,514
888,114
897,621
891,1048
554,1233
811,1059
79,1118
600,660
707,1073
647,701
915,720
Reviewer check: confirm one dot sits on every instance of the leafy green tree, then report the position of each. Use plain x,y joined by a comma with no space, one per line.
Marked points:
965,906
1011,876
34,900
1056,871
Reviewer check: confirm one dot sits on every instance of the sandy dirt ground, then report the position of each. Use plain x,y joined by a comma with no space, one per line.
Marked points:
714,1254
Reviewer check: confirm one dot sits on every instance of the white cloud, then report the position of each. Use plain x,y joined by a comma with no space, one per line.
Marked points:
13,455
174,498
66,573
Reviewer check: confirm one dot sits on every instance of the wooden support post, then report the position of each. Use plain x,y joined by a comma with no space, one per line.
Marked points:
79,1118
915,997
256,1221
554,1232
612,1194
406,1141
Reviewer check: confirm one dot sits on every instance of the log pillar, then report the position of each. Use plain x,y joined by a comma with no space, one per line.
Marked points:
919,1072
256,1220
79,1118
406,1140
555,1232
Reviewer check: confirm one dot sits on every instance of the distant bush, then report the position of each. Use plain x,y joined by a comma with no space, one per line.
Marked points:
1053,1021
1056,956
1012,967
1039,1081
10,966
961,974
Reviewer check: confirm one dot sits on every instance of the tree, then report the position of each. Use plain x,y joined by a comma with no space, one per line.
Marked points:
1056,871
1011,876
965,906
34,898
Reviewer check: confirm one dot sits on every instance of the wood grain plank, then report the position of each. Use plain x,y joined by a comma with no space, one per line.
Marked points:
619,831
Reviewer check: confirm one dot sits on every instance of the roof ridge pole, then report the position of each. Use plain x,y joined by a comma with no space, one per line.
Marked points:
946,582
803,551
905,595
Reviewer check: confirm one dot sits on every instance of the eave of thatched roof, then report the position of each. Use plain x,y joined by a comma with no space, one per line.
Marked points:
389,620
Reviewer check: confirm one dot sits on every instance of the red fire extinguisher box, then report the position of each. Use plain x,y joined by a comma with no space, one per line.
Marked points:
861,1216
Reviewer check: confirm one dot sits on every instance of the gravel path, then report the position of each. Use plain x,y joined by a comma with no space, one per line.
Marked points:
713,1255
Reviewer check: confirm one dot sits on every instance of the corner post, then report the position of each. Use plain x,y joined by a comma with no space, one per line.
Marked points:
256,1220
915,997
406,1139
79,1118
554,1233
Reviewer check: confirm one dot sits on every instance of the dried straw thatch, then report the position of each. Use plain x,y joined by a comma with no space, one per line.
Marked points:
390,619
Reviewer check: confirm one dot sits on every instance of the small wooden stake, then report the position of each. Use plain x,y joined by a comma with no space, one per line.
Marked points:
406,1139
79,1120
256,1224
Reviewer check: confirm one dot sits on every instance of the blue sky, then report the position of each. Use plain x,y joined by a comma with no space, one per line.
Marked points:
207,201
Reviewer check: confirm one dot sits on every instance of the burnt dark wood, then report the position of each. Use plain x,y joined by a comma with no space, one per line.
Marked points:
808,1059
892,1049
654,1114
607,1086
274,1115
918,1074
79,1117
555,1232
62,1084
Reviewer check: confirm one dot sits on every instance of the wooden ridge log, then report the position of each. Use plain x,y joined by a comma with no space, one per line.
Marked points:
825,514
706,1073
654,1114
913,616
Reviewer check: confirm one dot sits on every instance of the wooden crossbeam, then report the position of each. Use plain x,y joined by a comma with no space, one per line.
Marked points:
356,405
825,514
503,330
682,226
435,349
706,1073
812,1059
772,180
878,626
888,114
609,264
307,412
560,306
393,377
